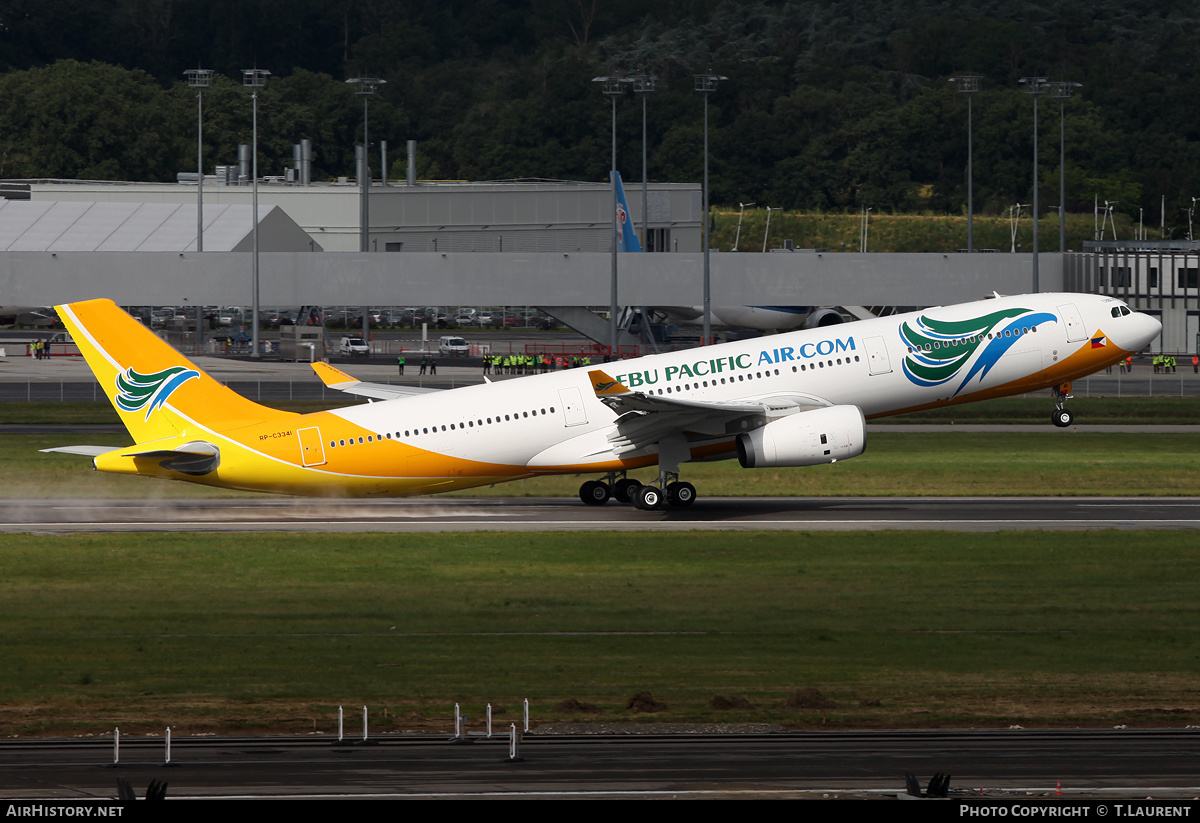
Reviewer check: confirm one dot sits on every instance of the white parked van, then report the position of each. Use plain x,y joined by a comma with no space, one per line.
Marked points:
453,346
355,346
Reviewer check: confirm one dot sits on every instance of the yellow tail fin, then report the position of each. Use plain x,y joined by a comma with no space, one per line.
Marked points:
157,392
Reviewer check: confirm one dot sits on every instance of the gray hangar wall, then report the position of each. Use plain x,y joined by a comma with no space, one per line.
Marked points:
482,278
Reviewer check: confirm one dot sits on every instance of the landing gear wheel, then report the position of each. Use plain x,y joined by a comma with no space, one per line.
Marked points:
681,494
1062,418
594,493
648,498
624,490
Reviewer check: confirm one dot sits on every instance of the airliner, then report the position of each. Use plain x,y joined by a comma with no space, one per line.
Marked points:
792,399
26,316
756,318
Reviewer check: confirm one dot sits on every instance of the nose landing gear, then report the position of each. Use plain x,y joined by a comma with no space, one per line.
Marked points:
1062,417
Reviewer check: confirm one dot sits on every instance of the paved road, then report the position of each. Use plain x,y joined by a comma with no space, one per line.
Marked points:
554,514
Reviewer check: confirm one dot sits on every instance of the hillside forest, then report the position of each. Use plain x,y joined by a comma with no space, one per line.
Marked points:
827,106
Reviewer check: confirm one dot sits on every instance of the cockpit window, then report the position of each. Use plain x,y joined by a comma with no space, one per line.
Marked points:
1120,311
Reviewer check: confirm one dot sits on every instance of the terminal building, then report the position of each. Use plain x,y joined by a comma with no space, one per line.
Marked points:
1161,278
518,243
516,216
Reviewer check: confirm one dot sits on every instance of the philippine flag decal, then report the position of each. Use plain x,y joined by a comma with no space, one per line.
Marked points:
1099,340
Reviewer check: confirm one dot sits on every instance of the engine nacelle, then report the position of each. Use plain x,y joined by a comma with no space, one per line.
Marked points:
807,438
820,318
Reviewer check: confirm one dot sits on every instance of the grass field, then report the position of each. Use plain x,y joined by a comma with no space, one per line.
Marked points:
268,632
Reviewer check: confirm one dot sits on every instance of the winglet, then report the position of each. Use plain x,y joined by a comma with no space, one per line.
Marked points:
331,376
605,386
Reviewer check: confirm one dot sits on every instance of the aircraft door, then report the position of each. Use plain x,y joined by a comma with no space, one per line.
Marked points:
312,447
1074,323
574,413
877,355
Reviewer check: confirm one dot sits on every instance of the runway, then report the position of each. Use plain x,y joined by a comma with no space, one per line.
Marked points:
982,763
562,514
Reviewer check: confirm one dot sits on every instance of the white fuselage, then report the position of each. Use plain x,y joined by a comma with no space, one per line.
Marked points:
555,423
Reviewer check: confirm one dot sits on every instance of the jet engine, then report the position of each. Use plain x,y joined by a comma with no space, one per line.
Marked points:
821,317
807,438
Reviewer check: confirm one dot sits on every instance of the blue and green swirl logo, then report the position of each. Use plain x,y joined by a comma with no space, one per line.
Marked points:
940,350
137,391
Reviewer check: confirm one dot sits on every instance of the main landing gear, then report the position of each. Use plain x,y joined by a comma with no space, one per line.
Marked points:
1061,417
666,491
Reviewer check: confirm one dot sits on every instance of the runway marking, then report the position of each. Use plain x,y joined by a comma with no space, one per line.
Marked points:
605,525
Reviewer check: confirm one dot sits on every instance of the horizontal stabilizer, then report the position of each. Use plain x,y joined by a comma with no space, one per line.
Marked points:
84,451
196,458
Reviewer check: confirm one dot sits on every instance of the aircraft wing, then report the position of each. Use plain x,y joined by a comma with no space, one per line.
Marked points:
28,315
337,379
644,419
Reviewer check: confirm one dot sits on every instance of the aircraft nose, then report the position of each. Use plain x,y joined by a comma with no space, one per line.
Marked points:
1142,329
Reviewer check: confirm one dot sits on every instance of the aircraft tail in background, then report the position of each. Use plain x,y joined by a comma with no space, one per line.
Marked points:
627,239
